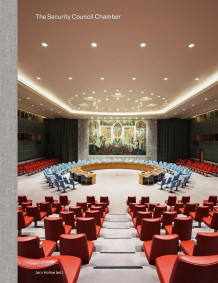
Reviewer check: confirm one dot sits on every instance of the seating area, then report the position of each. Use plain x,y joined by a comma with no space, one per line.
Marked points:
33,167
204,168
68,235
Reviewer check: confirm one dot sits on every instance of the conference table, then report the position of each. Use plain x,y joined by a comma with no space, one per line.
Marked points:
147,169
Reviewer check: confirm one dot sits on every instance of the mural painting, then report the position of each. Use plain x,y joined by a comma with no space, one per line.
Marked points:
117,137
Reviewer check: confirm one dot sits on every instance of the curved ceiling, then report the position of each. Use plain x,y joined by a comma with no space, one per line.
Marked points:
119,77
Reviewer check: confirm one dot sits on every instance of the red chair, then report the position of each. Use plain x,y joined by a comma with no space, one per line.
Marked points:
25,204
148,228
103,204
131,206
54,228
144,200
83,205
176,207
188,269
212,222
58,269
158,210
46,207
189,207
171,200
91,199
184,199
77,210
182,227
100,208
33,211
64,200
211,199
30,247
201,212
23,222
88,226
22,198
50,199
130,200
136,208
105,199
168,218
161,245
97,215
140,215
76,245
207,244
58,207
68,218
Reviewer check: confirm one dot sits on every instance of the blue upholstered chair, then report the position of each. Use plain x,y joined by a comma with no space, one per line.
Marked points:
178,184
64,186
85,180
148,180
171,186
169,180
51,181
57,184
73,183
161,183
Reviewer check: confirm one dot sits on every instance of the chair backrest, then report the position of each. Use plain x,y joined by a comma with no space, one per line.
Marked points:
201,211
214,221
131,199
168,180
177,206
189,207
168,218
163,245
145,199
77,210
183,227
198,269
22,199
46,207
75,245
20,220
207,244
42,270
68,218
100,208
104,199
58,207
151,206
53,228
138,207
91,199
142,214
96,214
83,205
158,210
63,199
172,200
212,199
149,228
34,212
49,199
185,199
86,225
29,247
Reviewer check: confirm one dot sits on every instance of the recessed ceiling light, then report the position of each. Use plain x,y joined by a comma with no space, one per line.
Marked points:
152,93
93,44
197,79
184,109
117,94
28,98
130,90
117,98
165,79
32,105
206,98
70,78
117,109
142,91
41,104
136,100
59,112
99,100
93,91
90,97
133,79
143,44
19,99
202,105
105,90
44,44
38,78
107,98
51,109
128,99
84,93
158,96
175,113
102,79
76,95
191,45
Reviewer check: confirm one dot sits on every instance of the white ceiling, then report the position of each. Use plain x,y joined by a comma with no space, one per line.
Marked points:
167,27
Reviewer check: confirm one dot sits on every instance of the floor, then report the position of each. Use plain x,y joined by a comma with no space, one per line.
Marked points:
118,255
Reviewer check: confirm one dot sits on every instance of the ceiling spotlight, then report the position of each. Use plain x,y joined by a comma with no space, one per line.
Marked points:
117,98
99,100
133,79
152,93
70,78
93,91
184,109
117,94
59,112
94,44
142,91
44,44
158,96
90,97
143,44
76,95
193,105
51,109
197,79
191,45
107,98
32,105
128,99
19,99
102,79
130,90
38,78
165,79
206,98
28,98
105,90
84,93
41,104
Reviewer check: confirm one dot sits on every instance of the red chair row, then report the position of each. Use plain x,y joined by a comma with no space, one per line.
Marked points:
35,166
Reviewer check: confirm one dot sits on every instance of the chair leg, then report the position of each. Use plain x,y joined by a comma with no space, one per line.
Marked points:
35,224
199,224
20,233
